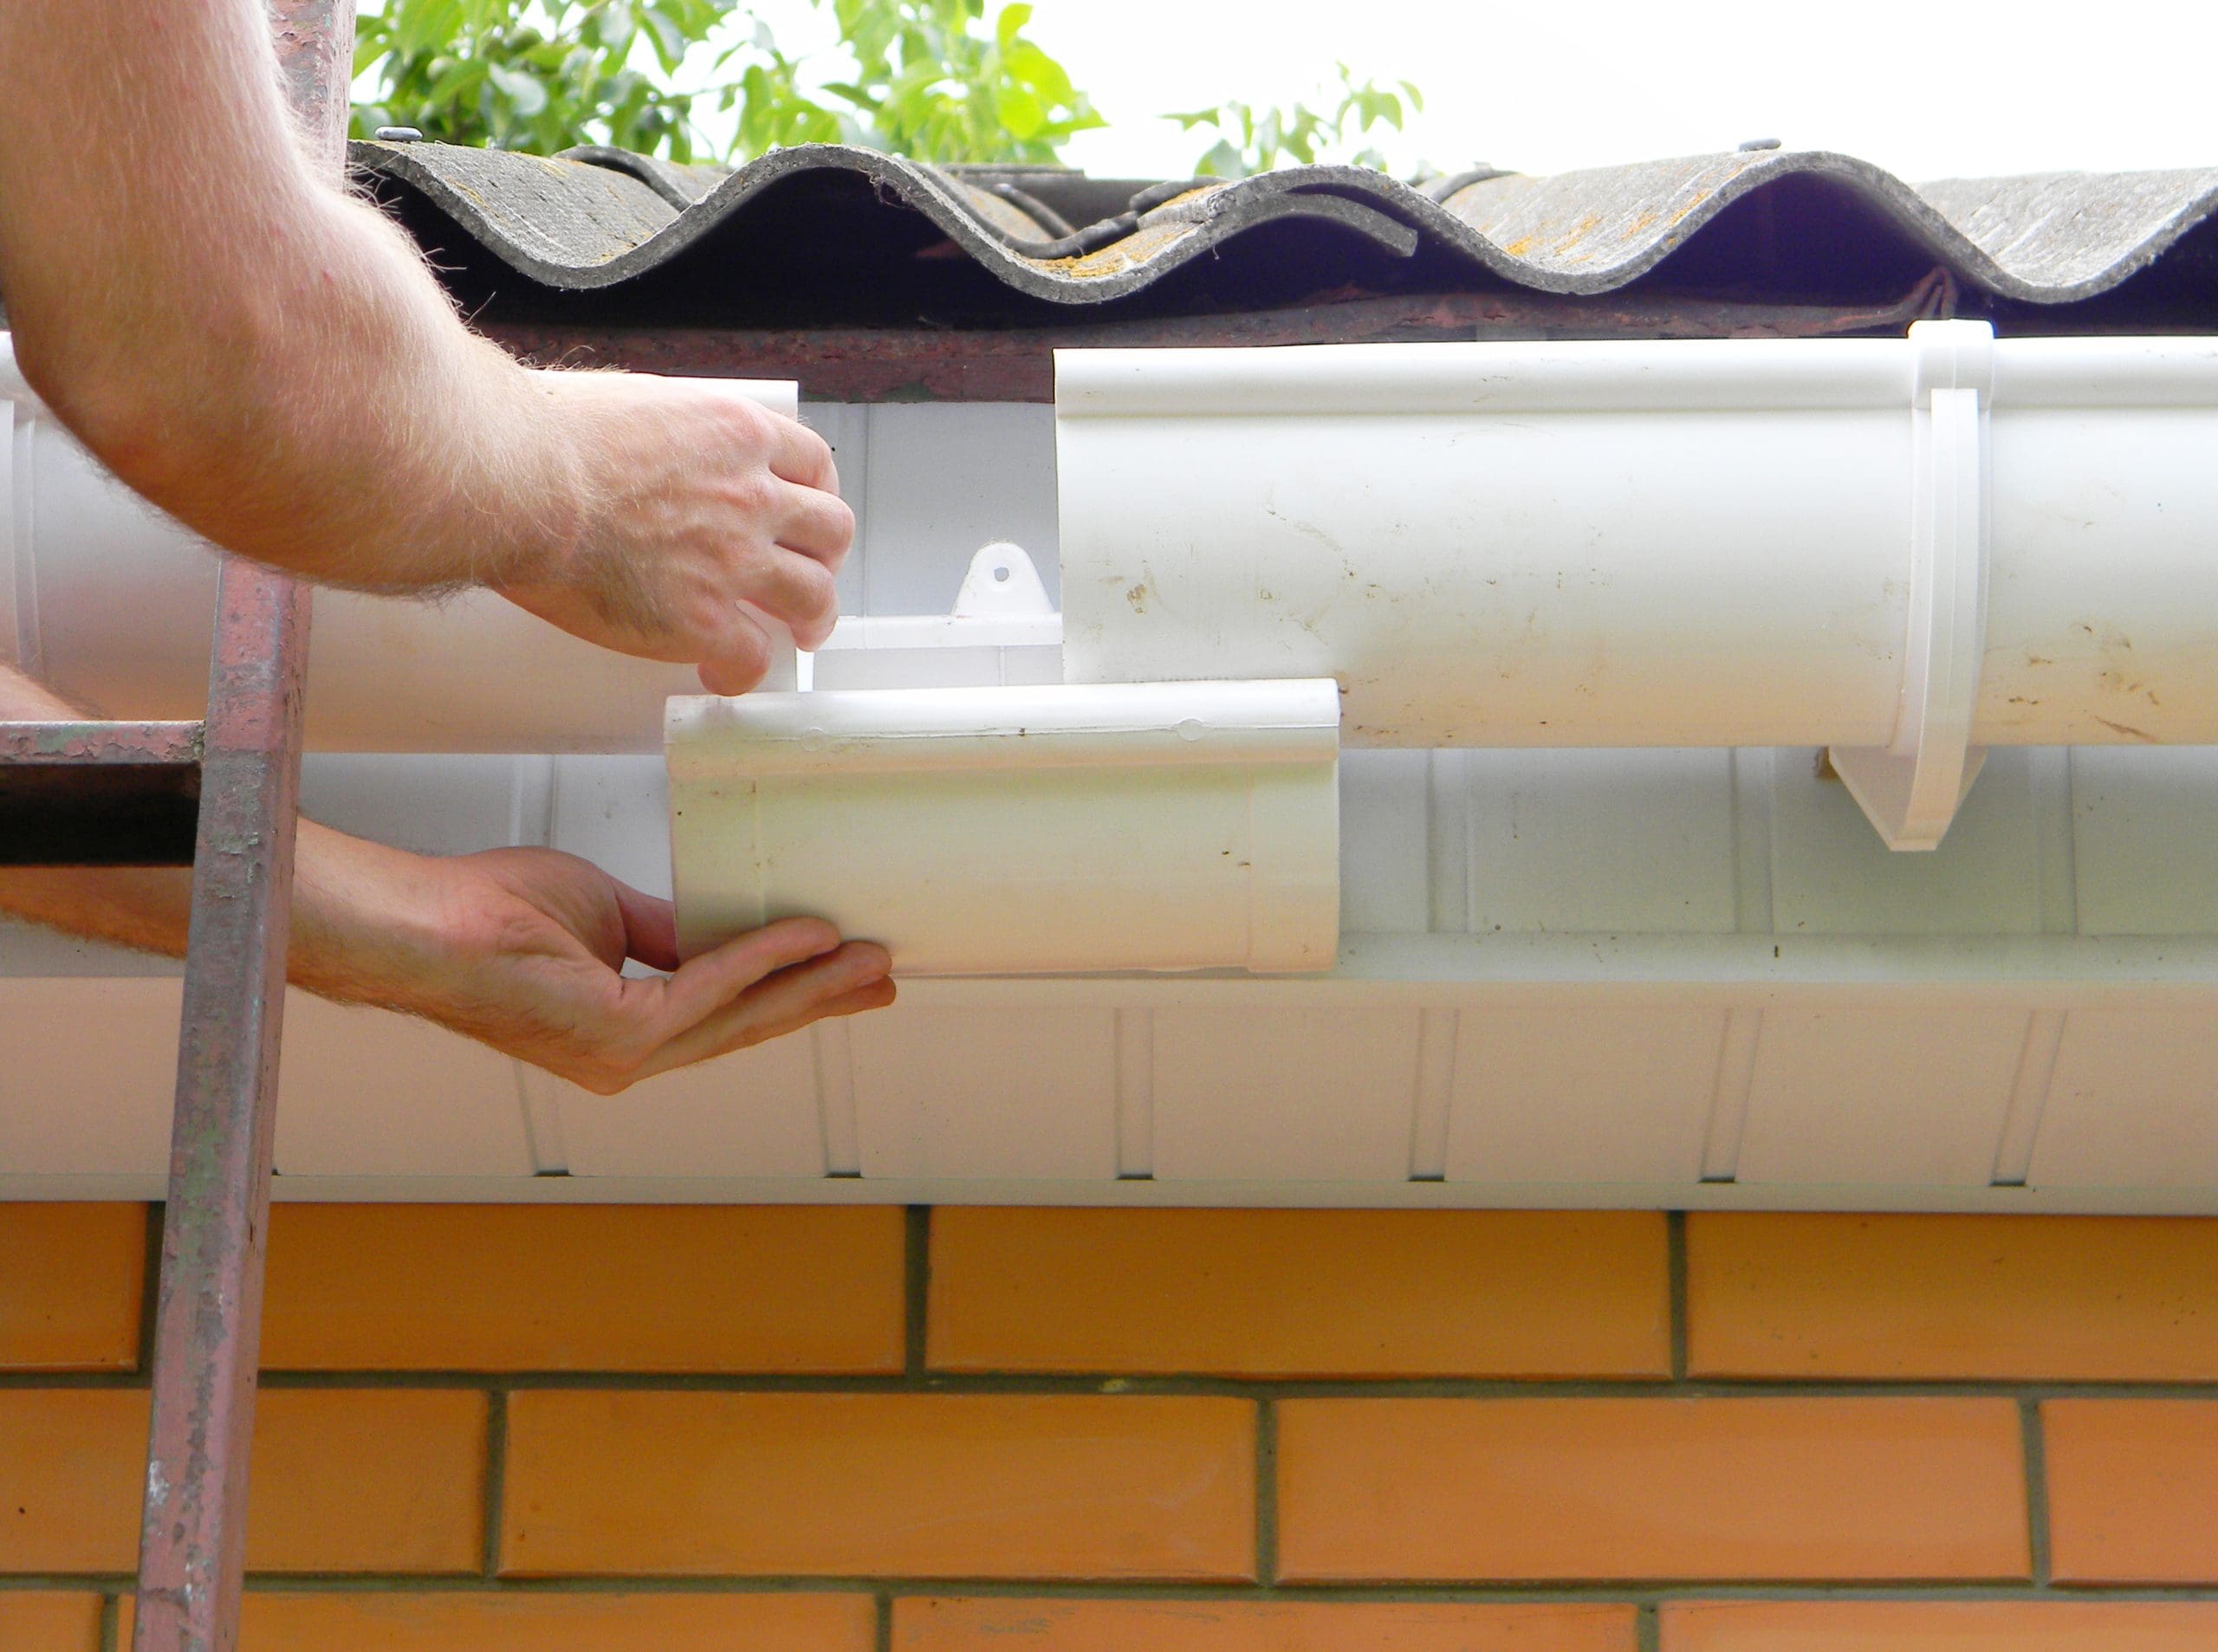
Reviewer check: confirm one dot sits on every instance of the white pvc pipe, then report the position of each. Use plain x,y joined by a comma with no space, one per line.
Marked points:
111,602
1155,826
1683,544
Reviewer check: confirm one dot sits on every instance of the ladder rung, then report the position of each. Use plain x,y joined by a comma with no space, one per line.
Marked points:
92,794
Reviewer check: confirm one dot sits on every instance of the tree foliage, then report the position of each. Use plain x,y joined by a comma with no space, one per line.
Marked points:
539,76
937,80
1252,140
930,78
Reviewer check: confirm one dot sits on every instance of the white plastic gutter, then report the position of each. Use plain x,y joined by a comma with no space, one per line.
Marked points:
1157,825
1862,544
1906,550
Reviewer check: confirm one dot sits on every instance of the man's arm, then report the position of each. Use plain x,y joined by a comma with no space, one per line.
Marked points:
270,361
520,948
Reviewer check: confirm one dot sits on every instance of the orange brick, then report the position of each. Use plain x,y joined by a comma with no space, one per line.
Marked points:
374,1480
71,1280
1301,1292
343,1480
2064,1298
584,1287
1939,1626
1651,1488
44,1623
960,1625
880,1485
463,1623
2132,1490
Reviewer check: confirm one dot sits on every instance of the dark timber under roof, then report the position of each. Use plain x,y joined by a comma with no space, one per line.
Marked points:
874,277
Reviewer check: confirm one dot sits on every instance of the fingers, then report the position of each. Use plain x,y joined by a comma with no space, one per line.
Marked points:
878,995
797,590
817,524
702,502
741,657
845,982
799,454
704,985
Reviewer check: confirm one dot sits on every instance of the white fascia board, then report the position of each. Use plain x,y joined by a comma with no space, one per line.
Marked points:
1750,971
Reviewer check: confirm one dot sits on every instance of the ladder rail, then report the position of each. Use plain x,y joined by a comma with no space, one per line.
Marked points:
208,1318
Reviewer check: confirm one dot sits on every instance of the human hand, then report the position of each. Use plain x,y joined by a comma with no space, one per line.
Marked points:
520,948
694,501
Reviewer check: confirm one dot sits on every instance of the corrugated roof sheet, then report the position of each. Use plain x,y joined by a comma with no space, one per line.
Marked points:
597,221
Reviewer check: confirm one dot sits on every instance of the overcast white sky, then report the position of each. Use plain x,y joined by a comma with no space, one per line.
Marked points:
1926,90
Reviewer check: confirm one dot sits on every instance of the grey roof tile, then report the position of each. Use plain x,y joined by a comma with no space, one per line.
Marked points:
594,219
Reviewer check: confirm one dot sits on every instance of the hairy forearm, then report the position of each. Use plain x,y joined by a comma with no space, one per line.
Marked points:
351,939
363,916
520,949
263,356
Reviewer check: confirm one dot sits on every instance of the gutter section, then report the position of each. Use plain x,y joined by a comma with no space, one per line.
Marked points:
1155,826
1683,544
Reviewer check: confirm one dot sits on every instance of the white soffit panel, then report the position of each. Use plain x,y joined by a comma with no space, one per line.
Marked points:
615,813
435,803
2144,836
1011,1091
750,1114
1600,842
944,478
1386,842
2132,1103
1560,1093
1832,875
1285,1093
365,1092
91,1073
1880,1095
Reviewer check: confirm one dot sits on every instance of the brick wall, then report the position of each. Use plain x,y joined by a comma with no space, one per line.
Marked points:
1184,1431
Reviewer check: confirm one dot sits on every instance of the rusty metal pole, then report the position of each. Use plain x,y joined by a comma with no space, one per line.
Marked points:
208,1326
315,50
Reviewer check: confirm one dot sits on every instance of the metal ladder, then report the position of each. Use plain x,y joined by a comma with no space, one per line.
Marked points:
122,793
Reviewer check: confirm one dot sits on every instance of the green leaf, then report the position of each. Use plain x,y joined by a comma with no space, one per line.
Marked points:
427,25
1020,112
669,38
943,80
528,96
1223,160
459,81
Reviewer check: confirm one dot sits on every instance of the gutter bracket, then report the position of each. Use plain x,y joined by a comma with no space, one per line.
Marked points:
1912,788
1001,582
